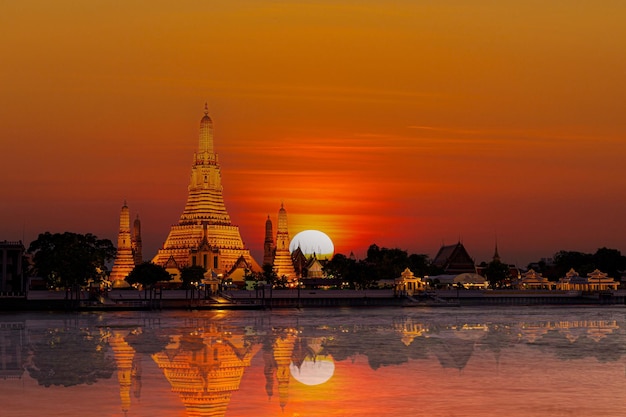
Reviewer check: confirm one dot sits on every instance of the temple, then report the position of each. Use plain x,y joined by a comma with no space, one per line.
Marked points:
124,259
283,263
268,246
205,221
454,259
136,242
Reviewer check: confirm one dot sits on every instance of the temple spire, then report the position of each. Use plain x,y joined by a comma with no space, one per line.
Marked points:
206,154
124,261
283,263
205,216
496,255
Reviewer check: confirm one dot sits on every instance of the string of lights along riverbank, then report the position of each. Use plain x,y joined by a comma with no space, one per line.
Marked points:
204,235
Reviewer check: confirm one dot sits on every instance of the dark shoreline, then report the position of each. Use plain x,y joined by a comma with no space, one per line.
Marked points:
128,300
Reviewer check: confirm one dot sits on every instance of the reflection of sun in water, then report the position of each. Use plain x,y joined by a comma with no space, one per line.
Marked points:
313,371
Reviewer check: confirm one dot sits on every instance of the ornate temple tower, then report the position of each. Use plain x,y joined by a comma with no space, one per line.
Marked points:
268,247
205,205
136,241
283,264
124,261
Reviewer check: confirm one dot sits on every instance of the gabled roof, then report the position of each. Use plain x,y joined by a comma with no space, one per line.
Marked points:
171,263
240,263
454,259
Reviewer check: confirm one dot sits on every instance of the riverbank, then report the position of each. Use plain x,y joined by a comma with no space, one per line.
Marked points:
115,300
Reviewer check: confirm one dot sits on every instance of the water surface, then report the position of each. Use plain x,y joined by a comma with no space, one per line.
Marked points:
522,361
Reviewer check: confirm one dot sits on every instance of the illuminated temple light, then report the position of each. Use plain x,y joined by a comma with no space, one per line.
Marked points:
205,208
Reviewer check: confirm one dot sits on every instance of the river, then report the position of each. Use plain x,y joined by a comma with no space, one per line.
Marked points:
506,361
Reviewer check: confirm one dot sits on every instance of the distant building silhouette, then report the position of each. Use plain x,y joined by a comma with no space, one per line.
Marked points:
454,259
514,274
11,273
136,241
269,248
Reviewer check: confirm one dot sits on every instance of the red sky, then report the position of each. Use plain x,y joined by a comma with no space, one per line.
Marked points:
402,123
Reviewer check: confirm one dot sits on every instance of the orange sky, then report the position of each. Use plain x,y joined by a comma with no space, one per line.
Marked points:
403,123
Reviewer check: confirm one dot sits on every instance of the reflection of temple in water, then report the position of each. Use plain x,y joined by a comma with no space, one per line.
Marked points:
454,345
593,329
124,356
283,349
204,367
454,352
286,354
204,364
409,329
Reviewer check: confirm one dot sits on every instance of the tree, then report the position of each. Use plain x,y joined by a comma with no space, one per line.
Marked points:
383,263
418,264
281,282
607,260
340,266
268,274
70,259
610,261
191,274
497,273
147,274
565,260
343,268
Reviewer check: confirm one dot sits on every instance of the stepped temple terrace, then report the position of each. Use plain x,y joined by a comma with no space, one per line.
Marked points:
204,234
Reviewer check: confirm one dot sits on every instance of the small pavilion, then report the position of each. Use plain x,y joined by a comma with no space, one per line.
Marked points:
534,280
407,283
600,281
572,282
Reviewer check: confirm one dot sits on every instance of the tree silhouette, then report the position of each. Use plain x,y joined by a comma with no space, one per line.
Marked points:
191,274
497,273
70,259
147,274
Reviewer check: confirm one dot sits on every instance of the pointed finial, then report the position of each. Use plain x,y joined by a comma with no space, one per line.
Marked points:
206,108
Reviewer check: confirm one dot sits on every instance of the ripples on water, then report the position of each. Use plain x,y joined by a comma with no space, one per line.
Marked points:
531,361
